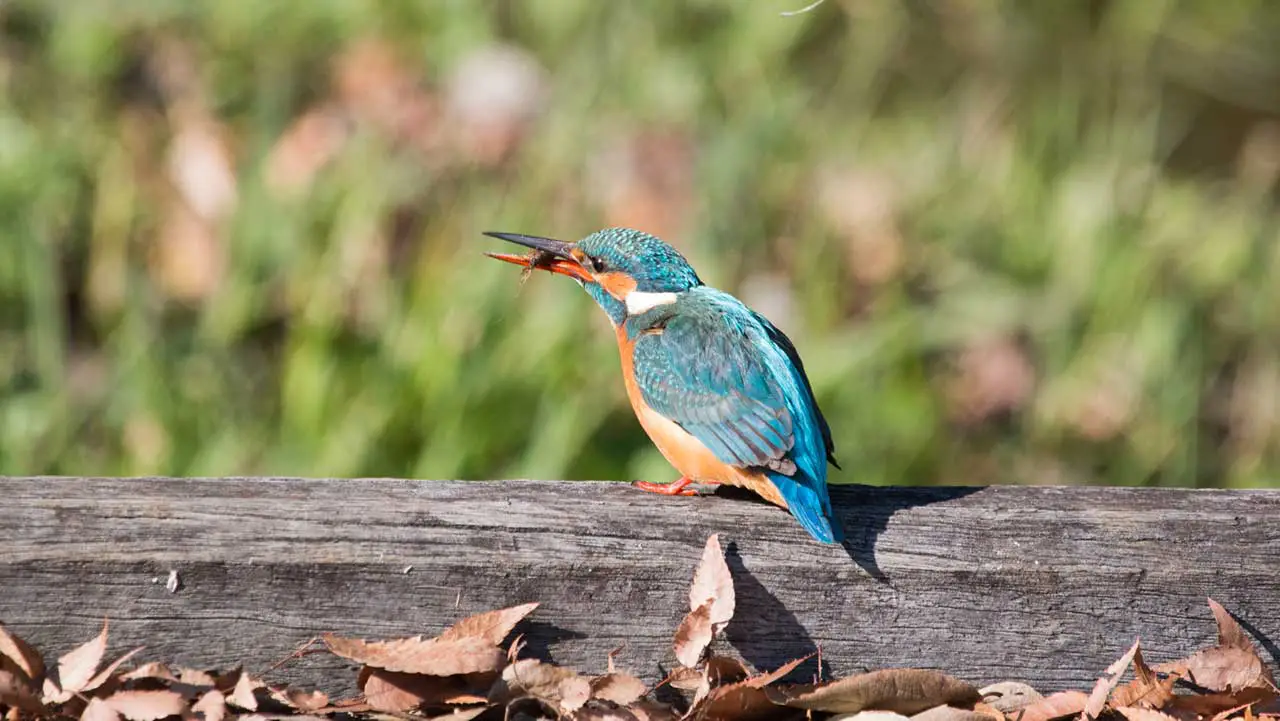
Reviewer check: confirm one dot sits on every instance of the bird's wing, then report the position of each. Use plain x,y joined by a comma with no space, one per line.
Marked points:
711,378
789,348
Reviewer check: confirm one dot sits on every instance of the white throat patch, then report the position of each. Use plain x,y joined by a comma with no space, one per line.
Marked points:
638,302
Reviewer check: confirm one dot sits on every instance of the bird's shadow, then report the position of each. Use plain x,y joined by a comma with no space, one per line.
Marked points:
863,513
765,632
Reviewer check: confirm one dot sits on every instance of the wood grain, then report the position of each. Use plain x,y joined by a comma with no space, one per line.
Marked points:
1041,584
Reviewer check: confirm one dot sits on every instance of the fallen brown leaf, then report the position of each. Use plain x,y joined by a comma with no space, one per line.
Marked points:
460,714
147,705
905,690
105,673
556,686
76,668
1146,688
686,679
648,710
1009,696
196,677
20,652
306,701
243,695
765,679
492,626
949,713
694,635
713,584
871,715
725,670
394,692
1063,703
99,710
574,693
417,655
152,669
734,702
1210,704
1229,632
1223,668
1103,687
212,705
1135,713
616,687
17,692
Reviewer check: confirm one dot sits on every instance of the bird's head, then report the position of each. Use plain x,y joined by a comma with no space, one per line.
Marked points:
627,271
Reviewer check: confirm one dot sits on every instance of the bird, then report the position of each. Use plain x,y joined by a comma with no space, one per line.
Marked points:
718,388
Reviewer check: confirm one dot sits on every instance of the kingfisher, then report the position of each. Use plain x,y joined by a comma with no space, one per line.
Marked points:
719,389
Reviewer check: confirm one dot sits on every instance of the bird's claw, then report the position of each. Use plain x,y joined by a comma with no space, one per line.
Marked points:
681,487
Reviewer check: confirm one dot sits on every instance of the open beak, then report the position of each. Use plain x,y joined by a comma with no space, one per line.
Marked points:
550,255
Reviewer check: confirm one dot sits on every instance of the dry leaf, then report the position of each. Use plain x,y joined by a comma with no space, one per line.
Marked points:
619,688
737,702
212,705
460,714
556,686
574,693
905,690
765,679
1146,688
693,635
147,705
725,669
949,713
869,716
196,677
492,626
21,653
1009,696
647,710
99,710
1134,713
394,692
243,695
1224,668
713,584
685,678
1063,703
76,668
152,669
298,699
16,692
1229,632
1210,704
417,655
105,673
1103,687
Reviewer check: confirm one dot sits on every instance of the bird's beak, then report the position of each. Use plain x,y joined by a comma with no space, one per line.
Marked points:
550,255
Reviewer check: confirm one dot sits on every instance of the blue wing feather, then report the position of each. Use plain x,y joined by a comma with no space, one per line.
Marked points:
734,381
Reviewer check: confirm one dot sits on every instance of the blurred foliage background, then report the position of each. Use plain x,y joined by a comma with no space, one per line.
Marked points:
1015,242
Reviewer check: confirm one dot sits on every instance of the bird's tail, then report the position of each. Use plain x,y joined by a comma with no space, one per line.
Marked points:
810,507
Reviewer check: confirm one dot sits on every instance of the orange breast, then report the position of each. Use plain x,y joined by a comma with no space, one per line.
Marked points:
681,449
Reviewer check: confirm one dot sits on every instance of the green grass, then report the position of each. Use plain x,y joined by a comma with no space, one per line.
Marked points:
920,194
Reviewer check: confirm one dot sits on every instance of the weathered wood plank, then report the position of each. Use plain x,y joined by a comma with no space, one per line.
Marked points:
1046,585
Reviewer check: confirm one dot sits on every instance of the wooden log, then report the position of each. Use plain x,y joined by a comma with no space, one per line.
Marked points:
1040,584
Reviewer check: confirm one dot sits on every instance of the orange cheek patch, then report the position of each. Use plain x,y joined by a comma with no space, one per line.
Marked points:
619,285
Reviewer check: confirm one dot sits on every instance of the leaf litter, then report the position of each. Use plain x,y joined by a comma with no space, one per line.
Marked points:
466,674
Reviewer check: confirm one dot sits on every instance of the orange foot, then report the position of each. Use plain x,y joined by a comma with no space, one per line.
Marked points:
675,488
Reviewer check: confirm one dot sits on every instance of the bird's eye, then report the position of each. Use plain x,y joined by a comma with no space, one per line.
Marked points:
597,265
